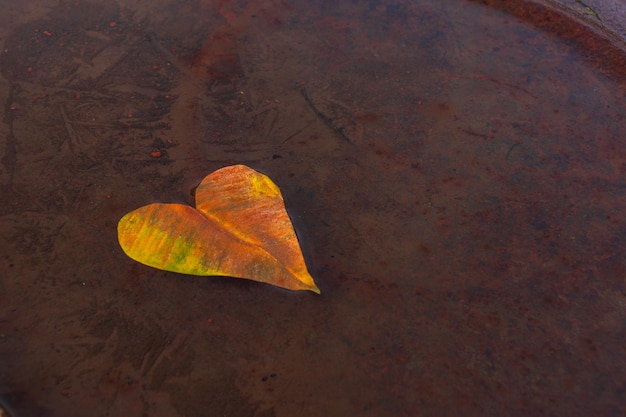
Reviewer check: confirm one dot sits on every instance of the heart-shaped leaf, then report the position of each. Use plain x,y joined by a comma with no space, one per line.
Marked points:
239,228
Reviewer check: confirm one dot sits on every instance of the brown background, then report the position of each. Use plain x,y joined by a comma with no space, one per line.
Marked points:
455,171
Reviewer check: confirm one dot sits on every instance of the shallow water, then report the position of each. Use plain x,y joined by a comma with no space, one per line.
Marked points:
455,172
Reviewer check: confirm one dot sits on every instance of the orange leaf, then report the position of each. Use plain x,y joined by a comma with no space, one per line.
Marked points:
239,228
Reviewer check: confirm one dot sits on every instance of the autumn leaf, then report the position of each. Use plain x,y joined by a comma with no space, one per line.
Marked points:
239,228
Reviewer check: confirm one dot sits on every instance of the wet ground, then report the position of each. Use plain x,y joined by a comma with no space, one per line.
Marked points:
456,172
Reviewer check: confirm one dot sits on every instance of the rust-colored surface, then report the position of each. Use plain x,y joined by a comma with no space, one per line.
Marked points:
597,29
455,172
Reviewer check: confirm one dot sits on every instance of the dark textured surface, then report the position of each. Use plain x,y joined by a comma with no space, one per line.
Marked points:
456,172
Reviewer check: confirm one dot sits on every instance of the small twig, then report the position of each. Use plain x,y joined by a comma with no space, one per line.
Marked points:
515,145
327,120
74,137
589,9
296,133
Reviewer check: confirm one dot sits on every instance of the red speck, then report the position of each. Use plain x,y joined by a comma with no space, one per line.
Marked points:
47,33
77,96
155,154
209,321
109,195
29,69
112,24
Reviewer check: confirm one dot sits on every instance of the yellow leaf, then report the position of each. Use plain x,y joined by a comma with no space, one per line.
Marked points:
239,228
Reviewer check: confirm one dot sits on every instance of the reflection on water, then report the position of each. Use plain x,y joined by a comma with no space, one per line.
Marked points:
454,172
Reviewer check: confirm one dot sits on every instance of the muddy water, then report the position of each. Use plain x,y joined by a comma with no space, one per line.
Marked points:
455,171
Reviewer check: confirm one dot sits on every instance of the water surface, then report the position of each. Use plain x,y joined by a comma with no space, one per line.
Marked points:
455,172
